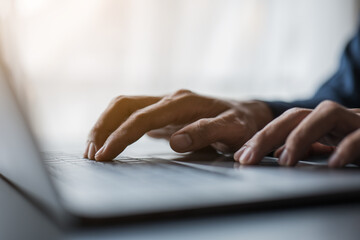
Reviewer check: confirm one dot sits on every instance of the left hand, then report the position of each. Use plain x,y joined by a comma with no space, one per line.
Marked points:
188,120
329,128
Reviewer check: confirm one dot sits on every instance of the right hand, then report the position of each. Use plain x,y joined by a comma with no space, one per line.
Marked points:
328,129
188,120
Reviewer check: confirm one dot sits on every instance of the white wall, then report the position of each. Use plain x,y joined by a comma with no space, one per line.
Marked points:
75,55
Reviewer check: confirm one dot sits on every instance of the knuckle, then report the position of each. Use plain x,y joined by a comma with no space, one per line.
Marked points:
296,111
239,125
232,118
202,130
182,92
259,138
293,142
329,106
97,134
94,133
200,124
139,116
117,99
181,95
120,100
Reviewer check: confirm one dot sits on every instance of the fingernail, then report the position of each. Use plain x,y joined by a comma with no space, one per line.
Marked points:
85,154
98,153
334,161
238,153
91,151
284,158
246,156
278,152
181,141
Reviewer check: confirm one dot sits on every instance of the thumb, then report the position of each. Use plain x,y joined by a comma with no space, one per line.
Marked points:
207,131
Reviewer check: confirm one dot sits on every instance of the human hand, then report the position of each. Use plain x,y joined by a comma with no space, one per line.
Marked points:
305,132
188,120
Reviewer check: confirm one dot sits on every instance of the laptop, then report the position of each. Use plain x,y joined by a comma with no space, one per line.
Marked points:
74,190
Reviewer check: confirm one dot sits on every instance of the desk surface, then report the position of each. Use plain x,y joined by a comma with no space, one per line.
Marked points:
19,219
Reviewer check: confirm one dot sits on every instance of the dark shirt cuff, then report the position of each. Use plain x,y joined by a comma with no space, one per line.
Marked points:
279,107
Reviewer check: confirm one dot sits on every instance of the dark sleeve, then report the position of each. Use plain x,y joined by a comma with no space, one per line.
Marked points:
343,87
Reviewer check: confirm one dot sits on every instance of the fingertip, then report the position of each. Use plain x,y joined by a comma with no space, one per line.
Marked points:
333,165
279,151
284,158
288,158
238,153
102,158
85,154
334,162
247,156
99,154
107,153
92,151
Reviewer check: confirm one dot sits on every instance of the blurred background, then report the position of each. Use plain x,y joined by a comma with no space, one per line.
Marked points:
71,57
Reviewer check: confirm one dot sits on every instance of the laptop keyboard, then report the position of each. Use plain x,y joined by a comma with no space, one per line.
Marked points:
67,168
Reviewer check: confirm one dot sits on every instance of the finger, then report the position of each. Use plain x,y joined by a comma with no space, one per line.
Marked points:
227,128
165,132
159,134
85,155
223,148
355,110
180,108
327,117
92,151
348,151
316,149
270,137
117,112
278,151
